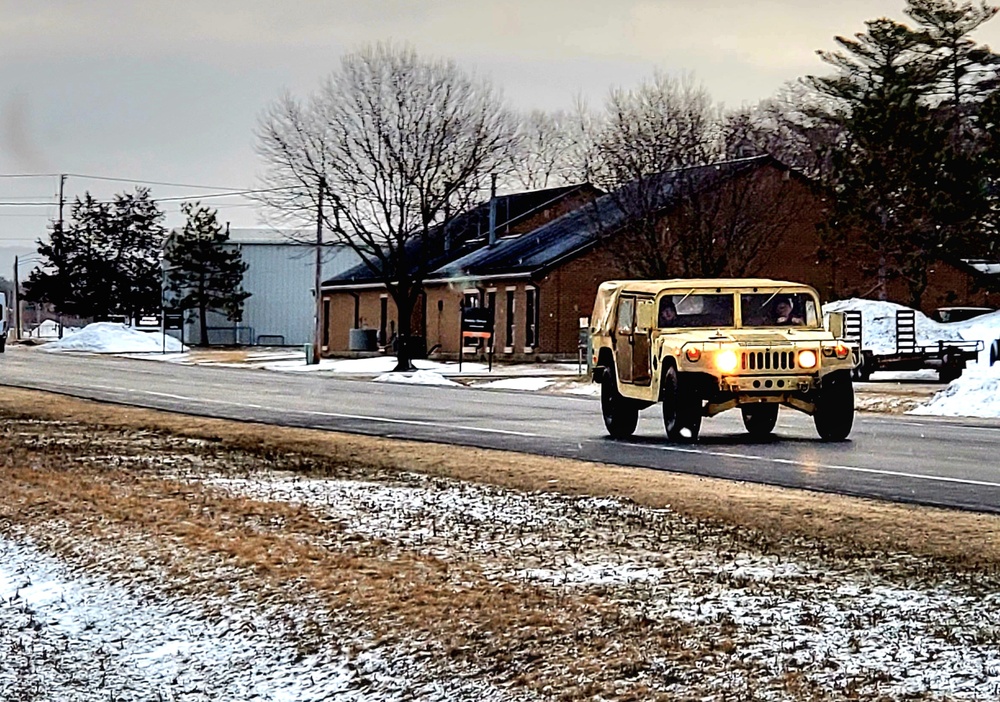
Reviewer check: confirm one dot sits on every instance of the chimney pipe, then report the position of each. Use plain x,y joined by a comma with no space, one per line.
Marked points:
493,209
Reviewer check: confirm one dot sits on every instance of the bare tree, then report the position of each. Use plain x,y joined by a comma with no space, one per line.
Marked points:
553,149
393,142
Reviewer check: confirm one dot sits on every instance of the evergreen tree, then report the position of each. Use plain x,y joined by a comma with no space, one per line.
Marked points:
202,272
907,175
134,248
104,261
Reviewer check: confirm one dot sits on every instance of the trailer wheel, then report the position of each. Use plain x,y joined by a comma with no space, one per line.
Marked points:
834,415
949,373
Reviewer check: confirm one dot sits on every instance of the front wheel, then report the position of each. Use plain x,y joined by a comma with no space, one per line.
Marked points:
834,416
620,414
760,419
681,408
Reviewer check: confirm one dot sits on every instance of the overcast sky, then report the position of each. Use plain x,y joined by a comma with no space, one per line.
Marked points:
170,90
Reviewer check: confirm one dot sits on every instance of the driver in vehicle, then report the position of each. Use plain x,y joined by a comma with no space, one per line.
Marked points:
784,313
668,313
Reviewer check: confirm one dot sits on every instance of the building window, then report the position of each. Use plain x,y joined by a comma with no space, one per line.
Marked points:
509,336
382,320
530,318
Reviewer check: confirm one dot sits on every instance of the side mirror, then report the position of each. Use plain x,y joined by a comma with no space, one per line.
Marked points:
835,323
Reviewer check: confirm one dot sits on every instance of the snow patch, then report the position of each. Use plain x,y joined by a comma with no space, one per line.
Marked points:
112,337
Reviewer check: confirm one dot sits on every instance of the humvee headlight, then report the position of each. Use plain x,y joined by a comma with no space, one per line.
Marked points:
842,351
807,359
693,354
726,361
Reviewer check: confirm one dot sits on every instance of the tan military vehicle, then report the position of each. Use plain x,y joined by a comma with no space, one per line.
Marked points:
701,347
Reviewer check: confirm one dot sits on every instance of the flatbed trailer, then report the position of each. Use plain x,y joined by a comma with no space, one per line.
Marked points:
949,357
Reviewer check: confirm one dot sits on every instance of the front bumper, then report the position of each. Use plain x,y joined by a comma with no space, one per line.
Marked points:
769,384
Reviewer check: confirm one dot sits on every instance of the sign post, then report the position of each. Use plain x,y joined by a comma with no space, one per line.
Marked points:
477,322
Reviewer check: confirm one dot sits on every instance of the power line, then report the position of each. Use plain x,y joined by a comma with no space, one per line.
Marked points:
149,182
32,175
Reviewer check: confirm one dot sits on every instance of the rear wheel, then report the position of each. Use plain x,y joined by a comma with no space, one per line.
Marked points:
834,416
760,419
621,415
681,407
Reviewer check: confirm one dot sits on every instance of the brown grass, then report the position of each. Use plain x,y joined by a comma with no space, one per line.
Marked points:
960,538
62,485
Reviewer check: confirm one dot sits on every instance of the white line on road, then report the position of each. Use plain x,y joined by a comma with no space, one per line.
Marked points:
808,464
338,415
673,449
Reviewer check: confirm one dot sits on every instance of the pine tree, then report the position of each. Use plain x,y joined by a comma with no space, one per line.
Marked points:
136,237
202,272
908,174
104,261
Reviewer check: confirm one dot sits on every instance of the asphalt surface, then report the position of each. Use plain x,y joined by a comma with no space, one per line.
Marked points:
934,461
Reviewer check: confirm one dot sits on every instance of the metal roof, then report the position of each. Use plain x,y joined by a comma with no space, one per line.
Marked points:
576,231
468,231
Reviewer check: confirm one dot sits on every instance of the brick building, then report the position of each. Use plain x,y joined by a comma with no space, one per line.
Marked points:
540,277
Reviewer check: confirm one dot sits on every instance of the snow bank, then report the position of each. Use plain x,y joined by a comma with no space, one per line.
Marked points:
878,324
420,377
976,393
111,337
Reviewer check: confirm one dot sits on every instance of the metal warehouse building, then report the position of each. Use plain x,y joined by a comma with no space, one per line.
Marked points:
280,276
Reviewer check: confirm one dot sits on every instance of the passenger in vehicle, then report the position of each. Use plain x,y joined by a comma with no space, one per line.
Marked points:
784,313
668,313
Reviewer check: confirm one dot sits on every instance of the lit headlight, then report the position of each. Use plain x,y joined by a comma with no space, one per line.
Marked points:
726,361
807,359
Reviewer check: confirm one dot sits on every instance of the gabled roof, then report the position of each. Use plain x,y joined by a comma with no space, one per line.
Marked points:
577,231
467,232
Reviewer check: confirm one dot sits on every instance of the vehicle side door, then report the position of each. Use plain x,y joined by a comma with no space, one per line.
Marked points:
621,337
641,347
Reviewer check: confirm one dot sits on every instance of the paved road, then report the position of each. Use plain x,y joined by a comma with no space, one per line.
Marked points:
933,461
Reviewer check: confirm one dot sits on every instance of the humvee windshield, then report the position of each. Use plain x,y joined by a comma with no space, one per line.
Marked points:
687,310
778,309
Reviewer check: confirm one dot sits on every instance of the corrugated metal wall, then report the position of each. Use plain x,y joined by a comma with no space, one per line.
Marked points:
280,278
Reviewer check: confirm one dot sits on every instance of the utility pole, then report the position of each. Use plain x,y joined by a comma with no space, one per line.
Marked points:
17,304
59,228
318,330
62,200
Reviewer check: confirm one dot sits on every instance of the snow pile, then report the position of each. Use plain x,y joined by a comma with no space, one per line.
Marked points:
49,329
112,337
975,394
878,324
419,377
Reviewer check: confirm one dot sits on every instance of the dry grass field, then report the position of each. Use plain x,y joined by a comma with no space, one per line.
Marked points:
419,571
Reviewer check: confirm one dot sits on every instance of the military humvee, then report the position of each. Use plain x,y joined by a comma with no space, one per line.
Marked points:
701,347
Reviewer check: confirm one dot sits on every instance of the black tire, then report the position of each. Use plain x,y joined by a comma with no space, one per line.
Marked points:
949,373
760,419
3,342
681,407
834,416
621,415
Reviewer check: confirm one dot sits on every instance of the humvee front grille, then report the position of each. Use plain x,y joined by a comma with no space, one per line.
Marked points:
768,360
